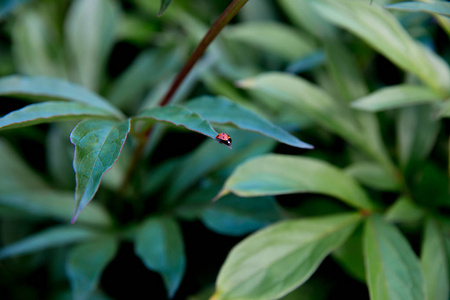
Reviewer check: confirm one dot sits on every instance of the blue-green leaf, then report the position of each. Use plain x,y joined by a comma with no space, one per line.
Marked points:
47,89
159,244
436,7
98,144
52,237
9,5
223,111
86,263
50,112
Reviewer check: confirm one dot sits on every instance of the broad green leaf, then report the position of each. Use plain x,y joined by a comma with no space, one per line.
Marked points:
85,264
384,33
53,204
308,99
373,175
90,31
19,174
275,38
164,5
392,269
237,216
350,256
98,144
275,174
444,111
47,89
440,8
434,262
159,243
279,258
223,111
51,237
404,210
7,6
417,131
50,112
395,97
179,116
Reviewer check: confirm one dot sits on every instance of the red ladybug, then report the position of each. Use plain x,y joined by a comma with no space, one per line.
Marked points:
224,138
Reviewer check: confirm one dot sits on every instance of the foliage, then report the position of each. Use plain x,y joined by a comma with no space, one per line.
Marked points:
158,201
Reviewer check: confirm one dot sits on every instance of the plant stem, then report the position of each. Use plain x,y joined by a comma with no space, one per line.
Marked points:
212,33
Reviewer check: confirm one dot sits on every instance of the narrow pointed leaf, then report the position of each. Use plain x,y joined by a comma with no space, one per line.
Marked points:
223,111
434,262
85,264
179,116
159,244
47,89
98,144
164,5
404,210
395,97
279,258
392,269
373,175
437,7
282,174
273,37
47,112
384,33
52,237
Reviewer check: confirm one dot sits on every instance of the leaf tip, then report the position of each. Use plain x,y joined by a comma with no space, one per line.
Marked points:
245,83
222,193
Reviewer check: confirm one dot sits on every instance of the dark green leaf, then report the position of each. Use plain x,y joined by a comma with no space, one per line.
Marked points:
279,258
159,244
223,111
282,174
437,7
85,264
434,262
98,144
392,269
164,5
50,112
46,89
52,237
238,216
395,97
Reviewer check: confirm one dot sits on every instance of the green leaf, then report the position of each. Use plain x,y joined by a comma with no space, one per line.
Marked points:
237,216
52,237
373,175
223,111
98,144
434,263
309,100
46,89
384,33
395,97
440,8
164,5
50,112
275,38
85,264
54,204
392,269
417,131
179,116
275,174
159,244
279,258
90,30
444,111
404,210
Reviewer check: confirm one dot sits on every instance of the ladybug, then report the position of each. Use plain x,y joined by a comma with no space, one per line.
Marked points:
224,138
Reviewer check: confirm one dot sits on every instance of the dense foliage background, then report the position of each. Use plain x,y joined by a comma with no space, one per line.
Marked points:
362,215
